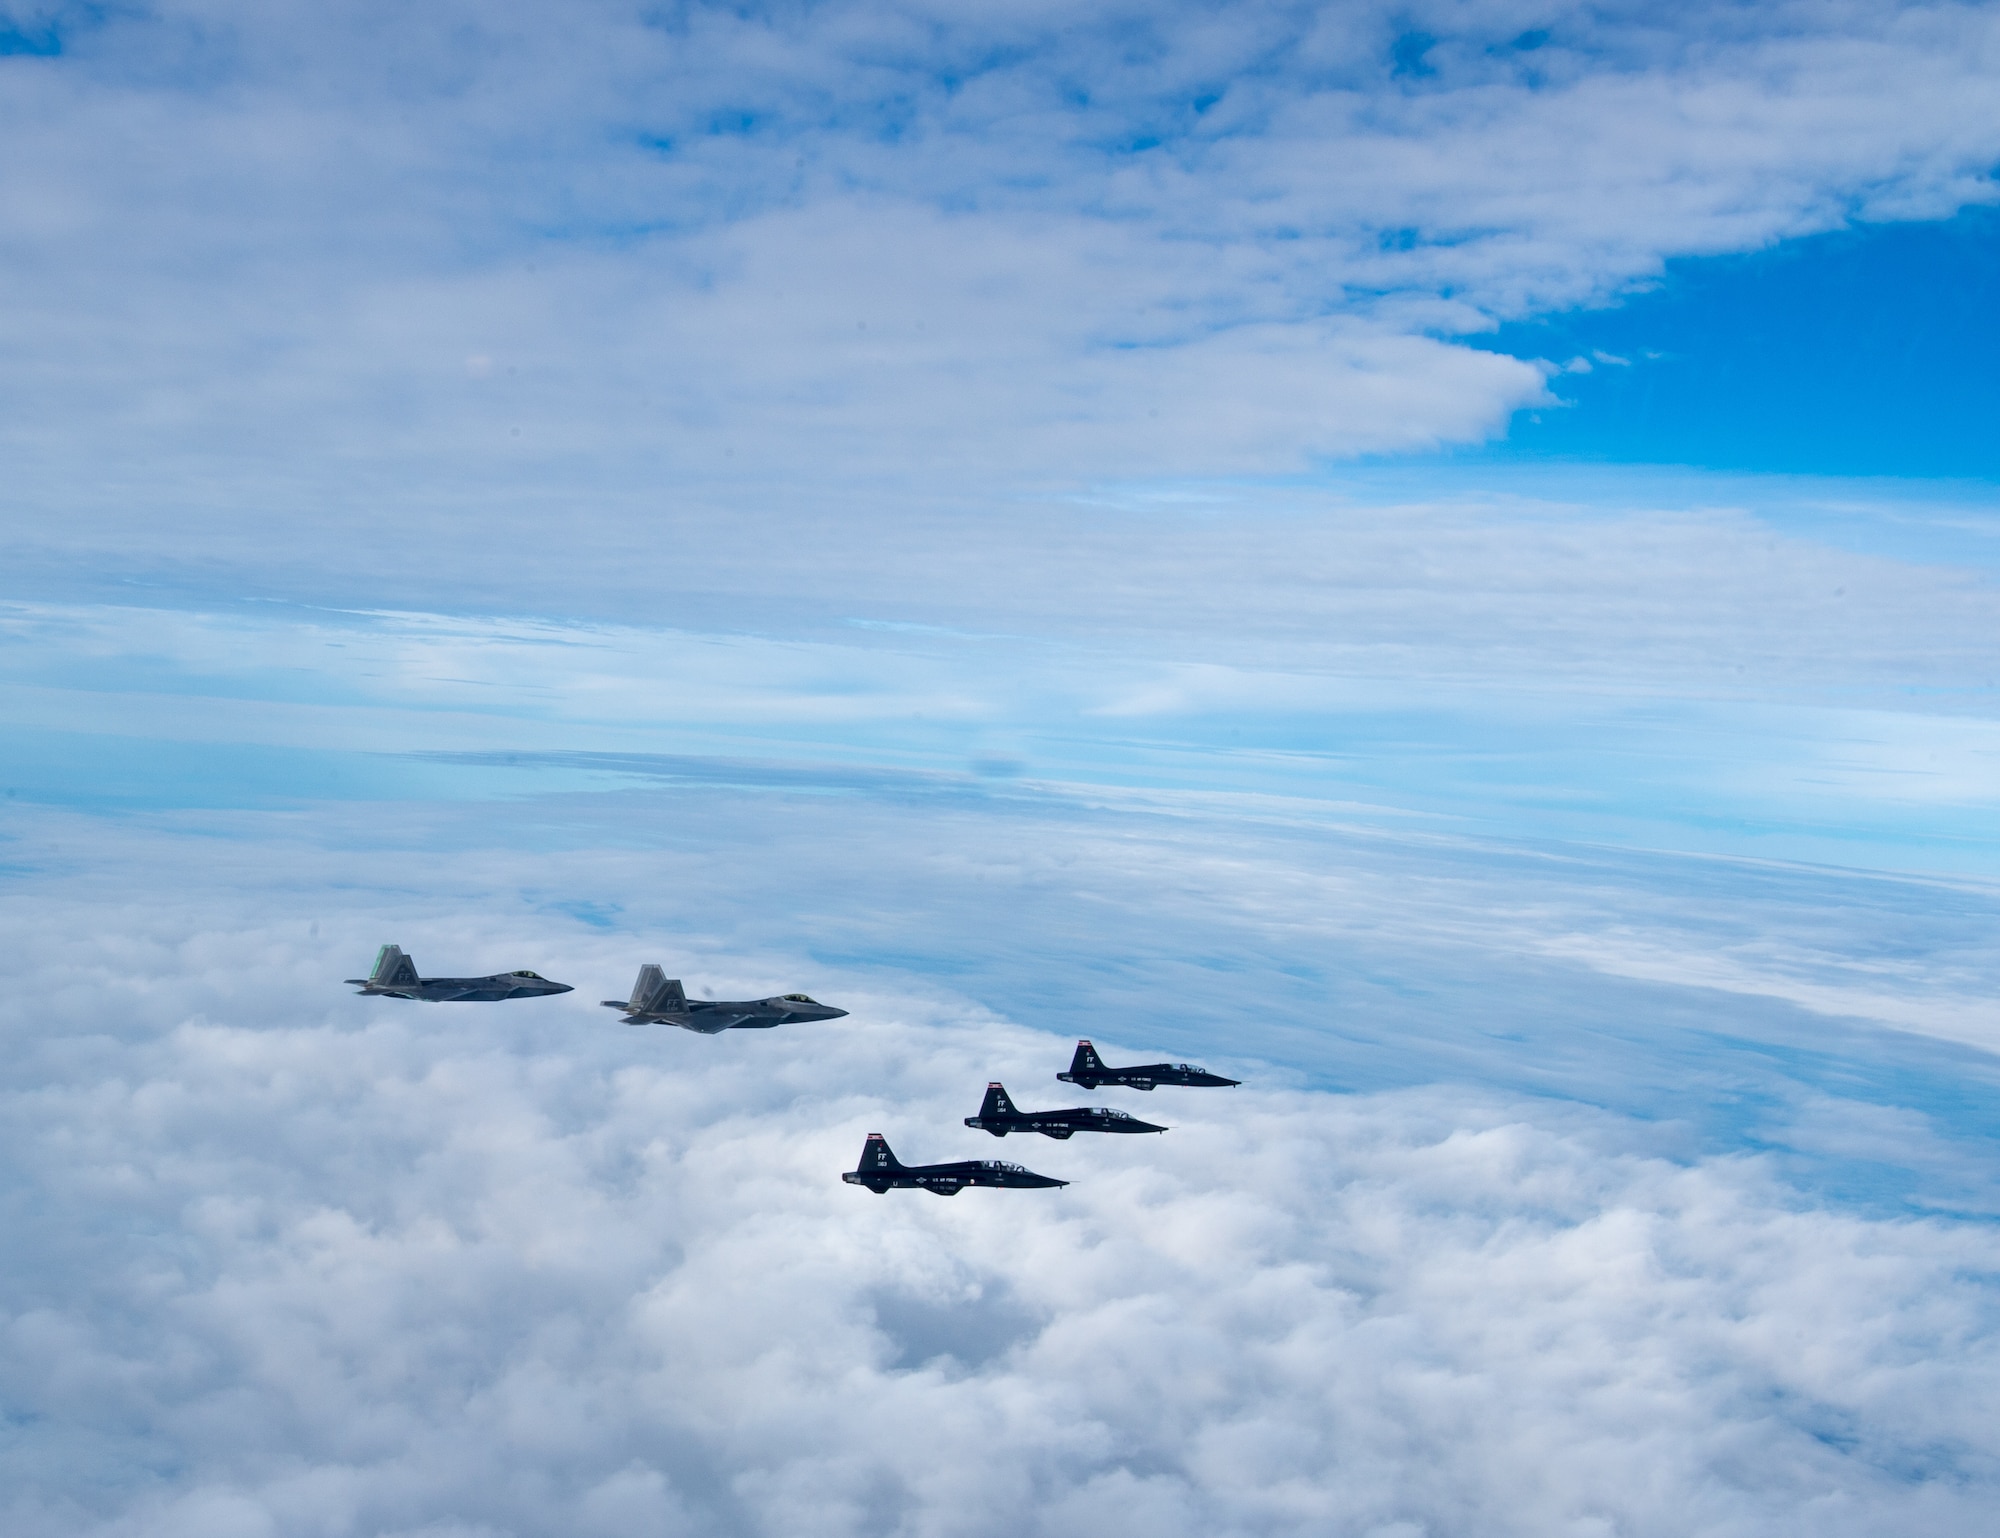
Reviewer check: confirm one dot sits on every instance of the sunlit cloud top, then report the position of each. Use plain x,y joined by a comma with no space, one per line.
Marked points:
354,258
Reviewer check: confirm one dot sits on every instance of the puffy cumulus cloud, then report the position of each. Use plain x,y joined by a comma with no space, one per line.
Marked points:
288,1261
310,1268
388,268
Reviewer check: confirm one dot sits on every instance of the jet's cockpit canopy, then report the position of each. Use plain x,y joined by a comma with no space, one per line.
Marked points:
535,975
797,998
1000,1164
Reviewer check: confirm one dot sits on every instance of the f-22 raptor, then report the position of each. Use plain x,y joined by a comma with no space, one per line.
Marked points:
880,1169
999,1117
395,977
1088,1069
658,999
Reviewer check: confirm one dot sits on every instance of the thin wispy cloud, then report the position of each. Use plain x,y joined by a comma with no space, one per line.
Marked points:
372,266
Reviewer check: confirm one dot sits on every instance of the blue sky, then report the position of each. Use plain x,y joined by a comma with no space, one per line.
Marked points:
1864,351
1441,559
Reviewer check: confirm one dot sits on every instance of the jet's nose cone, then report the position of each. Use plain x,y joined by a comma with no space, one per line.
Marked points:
835,1014
561,988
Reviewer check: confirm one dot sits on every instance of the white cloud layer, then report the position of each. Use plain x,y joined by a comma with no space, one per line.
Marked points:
284,1261
287,1263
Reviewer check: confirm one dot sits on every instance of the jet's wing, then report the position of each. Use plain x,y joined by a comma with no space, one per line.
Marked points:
710,1024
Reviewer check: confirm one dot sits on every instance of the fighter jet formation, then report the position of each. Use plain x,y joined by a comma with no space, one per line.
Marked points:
880,1172
661,1000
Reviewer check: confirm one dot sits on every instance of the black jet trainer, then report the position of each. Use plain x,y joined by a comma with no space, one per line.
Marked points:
1088,1069
880,1170
999,1117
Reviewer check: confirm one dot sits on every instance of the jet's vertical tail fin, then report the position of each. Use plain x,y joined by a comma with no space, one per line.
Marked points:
392,968
876,1156
1086,1059
650,978
996,1102
657,992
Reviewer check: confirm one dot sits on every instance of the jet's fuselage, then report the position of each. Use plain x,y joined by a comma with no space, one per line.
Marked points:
999,1116
395,977
1062,1124
949,1179
880,1171
1092,1072
712,1015
1147,1076
467,990
660,1000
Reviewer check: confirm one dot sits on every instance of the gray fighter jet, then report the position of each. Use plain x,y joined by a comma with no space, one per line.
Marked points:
880,1169
658,999
999,1117
395,977
1088,1069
